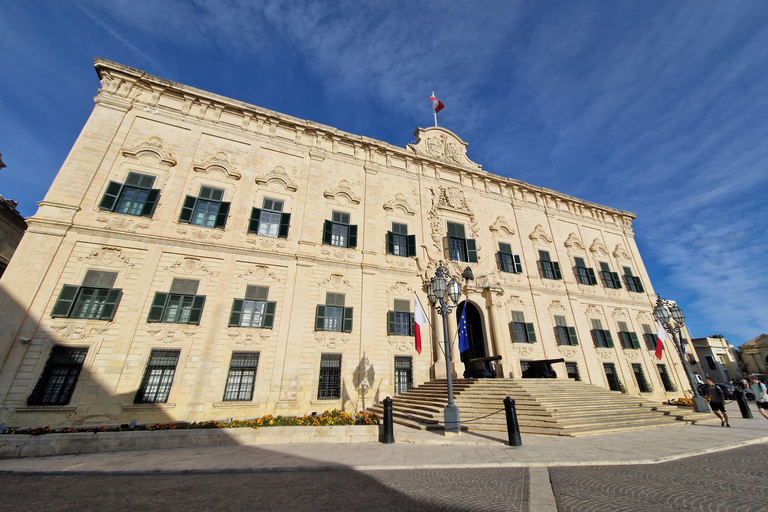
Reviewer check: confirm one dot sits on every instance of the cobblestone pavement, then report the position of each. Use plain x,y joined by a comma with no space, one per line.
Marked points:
736,480
450,490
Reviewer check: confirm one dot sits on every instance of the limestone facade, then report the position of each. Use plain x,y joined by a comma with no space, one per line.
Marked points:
755,354
12,228
346,231
715,359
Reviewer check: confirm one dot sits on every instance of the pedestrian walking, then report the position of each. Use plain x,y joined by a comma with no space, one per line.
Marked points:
758,388
717,401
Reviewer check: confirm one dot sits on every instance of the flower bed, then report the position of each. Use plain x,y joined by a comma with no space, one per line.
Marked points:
680,402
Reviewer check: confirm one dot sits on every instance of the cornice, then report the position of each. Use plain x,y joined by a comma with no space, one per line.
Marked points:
126,87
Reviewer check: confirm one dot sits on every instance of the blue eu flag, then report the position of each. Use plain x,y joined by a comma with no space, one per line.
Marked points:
463,341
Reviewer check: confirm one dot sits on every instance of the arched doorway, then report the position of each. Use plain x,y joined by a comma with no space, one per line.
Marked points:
474,331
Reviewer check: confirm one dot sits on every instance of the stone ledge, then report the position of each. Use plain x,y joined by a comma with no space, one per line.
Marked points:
23,445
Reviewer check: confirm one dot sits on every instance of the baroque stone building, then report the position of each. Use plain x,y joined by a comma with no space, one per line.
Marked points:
197,257
12,228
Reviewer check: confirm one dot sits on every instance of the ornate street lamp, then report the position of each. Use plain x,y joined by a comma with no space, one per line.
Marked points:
665,311
436,292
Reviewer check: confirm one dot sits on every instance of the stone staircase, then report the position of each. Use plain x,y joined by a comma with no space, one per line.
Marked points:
544,406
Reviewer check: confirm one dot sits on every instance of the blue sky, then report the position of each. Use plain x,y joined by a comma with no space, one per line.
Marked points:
659,108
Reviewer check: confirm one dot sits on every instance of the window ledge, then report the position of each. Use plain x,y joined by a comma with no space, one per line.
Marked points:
317,401
236,404
148,407
47,408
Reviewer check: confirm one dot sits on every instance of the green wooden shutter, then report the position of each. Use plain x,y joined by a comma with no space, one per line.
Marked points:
347,320
327,232
352,240
197,310
66,300
638,284
608,339
530,333
594,334
390,242
616,280
592,277
391,322
573,339
518,264
269,316
149,205
221,216
471,250
499,262
285,224
253,223
634,340
237,313
411,327
110,196
556,270
158,307
320,317
411,241
110,305
188,209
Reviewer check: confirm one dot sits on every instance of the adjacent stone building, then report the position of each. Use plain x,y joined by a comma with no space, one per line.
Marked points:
197,257
12,228
715,358
755,354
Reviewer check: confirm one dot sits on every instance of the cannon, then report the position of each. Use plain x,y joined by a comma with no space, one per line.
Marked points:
541,369
480,368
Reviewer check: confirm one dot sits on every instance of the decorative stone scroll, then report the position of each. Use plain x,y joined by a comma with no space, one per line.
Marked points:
151,153
598,247
539,235
620,253
399,205
502,228
574,241
342,194
218,168
107,256
277,179
190,265
442,144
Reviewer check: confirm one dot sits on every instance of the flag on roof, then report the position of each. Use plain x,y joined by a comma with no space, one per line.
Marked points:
437,105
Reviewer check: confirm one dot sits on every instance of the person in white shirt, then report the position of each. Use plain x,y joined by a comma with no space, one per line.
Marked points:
758,388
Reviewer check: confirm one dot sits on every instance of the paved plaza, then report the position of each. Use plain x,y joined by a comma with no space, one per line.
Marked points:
701,467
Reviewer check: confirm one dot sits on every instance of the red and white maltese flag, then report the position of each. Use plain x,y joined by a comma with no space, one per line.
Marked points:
419,319
661,336
437,105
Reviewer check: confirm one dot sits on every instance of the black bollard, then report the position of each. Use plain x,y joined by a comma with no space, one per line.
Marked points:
513,429
743,405
389,431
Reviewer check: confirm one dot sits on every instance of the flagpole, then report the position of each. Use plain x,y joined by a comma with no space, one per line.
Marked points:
435,118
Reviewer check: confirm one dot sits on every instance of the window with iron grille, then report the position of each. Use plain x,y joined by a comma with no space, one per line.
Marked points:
547,268
614,384
254,310
584,274
399,242
270,219
403,374
339,232
573,370
633,283
158,377
665,380
610,279
57,383
333,316
522,332
649,336
94,299
242,376
400,321
628,339
642,384
134,197
600,336
507,261
181,306
565,335
207,209
459,247
329,387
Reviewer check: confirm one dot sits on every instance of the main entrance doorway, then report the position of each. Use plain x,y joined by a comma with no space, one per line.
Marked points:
474,331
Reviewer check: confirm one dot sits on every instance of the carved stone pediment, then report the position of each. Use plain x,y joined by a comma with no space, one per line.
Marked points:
218,168
336,281
539,235
436,142
451,198
107,255
598,247
342,194
501,227
191,265
573,241
151,153
594,310
620,253
277,179
400,206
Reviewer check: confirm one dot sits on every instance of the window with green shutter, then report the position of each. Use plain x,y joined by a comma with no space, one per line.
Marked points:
522,331
254,310
584,274
565,335
600,336
269,220
547,268
507,261
634,284
458,246
339,232
333,316
181,306
399,242
134,197
95,299
610,279
629,339
400,320
207,209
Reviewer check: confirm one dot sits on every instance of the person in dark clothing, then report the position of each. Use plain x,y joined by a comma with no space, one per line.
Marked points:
716,401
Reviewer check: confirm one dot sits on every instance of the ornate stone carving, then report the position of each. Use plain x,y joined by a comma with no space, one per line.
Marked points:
248,337
402,289
598,247
151,153
442,144
539,235
202,234
265,243
336,281
502,228
594,310
620,253
277,179
632,355
557,307
574,241
522,349
605,353
123,223
450,198
256,272
170,335
190,265
567,352
620,314
107,255
399,205
217,168
337,254
645,317
342,194
515,301
331,341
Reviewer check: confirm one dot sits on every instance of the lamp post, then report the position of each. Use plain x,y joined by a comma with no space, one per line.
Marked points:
664,312
440,291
